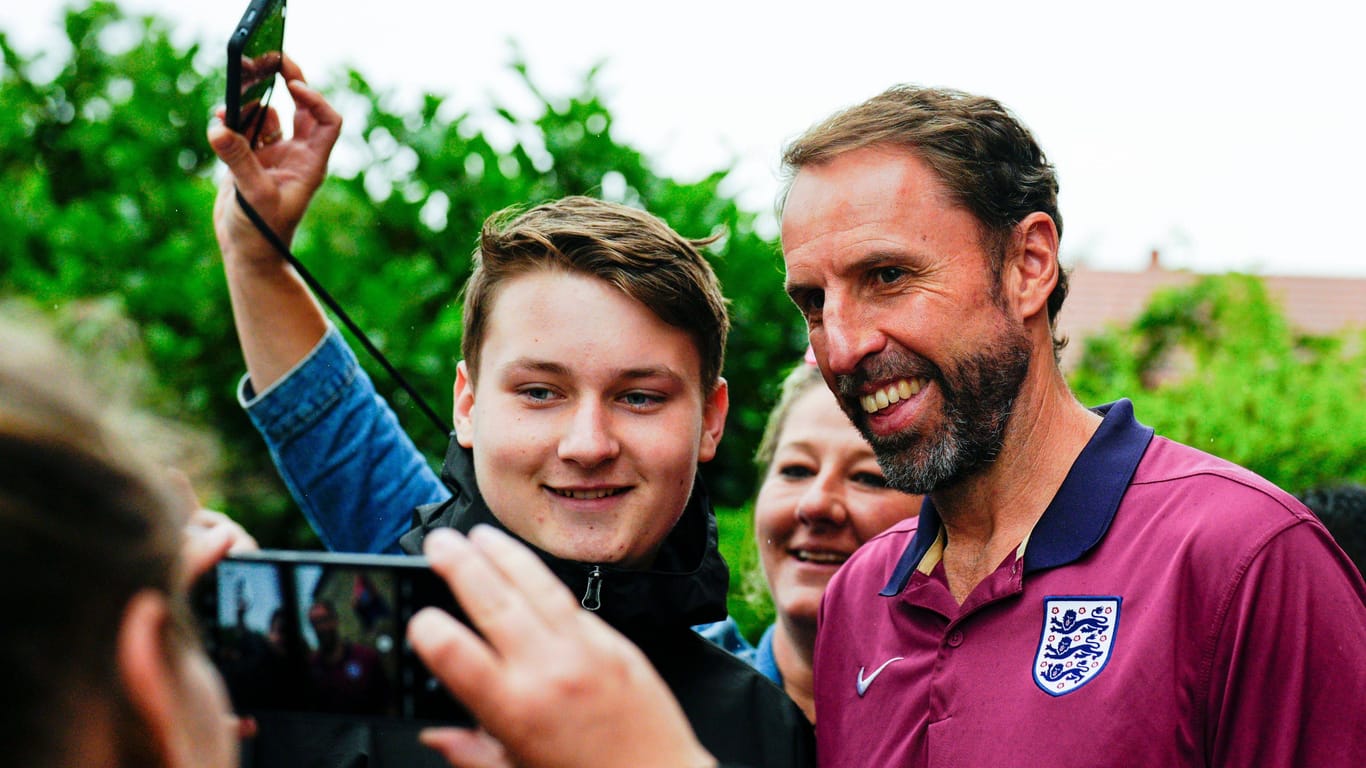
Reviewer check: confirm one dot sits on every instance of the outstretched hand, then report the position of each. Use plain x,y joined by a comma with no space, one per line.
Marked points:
278,177
552,685
209,535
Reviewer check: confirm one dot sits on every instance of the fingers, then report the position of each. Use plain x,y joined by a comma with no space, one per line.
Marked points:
466,747
244,727
290,69
209,518
201,550
270,132
187,501
235,152
457,656
492,594
315,120
551,683
474,581
527,575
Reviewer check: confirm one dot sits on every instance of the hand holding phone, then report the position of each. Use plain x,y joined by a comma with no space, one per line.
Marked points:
323,635
255,54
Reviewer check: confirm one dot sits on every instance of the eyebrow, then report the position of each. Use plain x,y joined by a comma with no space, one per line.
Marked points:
882,257
863,263
534,365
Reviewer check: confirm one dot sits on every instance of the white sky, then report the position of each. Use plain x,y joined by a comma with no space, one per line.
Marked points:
1227,135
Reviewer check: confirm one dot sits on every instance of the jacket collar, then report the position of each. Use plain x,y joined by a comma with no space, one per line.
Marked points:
1081,510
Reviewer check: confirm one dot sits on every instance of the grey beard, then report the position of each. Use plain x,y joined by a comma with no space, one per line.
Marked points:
977,406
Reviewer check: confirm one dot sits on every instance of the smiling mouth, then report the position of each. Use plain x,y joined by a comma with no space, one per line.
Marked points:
587,495
820,558
892,393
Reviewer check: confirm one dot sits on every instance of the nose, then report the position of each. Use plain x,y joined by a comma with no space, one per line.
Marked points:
846,335
822,503
588,439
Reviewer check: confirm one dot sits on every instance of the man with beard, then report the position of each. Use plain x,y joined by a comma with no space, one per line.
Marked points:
347,676
1078,589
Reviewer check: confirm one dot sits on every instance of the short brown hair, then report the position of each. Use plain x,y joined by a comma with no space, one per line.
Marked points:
983,154
83,528
628,248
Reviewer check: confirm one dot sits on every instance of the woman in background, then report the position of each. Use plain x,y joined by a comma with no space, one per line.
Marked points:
822,495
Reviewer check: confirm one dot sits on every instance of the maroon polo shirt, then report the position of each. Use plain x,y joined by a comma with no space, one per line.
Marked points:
1168,609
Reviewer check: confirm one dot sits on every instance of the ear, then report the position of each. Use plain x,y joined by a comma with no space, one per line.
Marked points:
1031,269
713,420
464,405
145,669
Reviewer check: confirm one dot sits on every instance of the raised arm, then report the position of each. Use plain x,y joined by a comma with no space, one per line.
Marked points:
338,446
278,320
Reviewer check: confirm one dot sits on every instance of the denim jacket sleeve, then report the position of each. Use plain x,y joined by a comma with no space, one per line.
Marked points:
340,449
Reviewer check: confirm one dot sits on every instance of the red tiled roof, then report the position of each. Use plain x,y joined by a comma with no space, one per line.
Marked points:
1098,298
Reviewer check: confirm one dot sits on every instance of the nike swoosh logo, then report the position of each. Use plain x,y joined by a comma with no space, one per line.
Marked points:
863,683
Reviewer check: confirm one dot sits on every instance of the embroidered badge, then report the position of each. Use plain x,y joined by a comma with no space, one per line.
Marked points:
1076,642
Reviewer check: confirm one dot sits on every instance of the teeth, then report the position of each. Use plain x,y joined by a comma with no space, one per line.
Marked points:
890,394
584,494
833,558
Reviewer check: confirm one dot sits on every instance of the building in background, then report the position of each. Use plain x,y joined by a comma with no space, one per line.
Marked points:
1097,299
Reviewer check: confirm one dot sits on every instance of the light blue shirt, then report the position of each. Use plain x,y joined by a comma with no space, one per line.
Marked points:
726,634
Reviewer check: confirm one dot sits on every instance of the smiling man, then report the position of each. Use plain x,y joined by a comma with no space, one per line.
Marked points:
590,389
1077,588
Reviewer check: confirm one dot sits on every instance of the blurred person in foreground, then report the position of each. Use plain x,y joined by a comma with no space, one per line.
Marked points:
821,496
104,665
589,391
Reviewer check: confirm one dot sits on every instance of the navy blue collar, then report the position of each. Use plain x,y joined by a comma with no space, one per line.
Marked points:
1080,513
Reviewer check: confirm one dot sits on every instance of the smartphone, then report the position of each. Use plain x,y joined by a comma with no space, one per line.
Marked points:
255,52
324,634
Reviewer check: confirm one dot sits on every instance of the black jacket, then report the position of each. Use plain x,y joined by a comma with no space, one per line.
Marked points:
740,716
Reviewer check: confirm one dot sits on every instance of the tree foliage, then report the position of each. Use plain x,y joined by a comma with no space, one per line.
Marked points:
1216,365
106,190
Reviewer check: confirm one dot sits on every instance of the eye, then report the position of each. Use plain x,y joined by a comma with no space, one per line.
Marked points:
537,395
796,471
888,275
642,400
809,300
870,479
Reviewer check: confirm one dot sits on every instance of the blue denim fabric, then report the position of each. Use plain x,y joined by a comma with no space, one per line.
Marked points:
340,449
726,633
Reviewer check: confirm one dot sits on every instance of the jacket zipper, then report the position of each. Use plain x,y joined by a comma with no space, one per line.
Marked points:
592,596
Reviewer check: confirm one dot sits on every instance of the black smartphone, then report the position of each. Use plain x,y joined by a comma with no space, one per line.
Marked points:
255,52
324,634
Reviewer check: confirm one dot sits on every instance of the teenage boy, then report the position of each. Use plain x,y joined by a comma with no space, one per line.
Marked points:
589,391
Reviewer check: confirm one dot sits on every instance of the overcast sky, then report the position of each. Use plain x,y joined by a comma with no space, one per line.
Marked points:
1226,135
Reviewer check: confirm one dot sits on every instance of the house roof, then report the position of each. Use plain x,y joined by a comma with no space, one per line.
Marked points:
1098,298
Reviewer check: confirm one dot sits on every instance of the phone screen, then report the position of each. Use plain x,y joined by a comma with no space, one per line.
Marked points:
324,634
255,52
